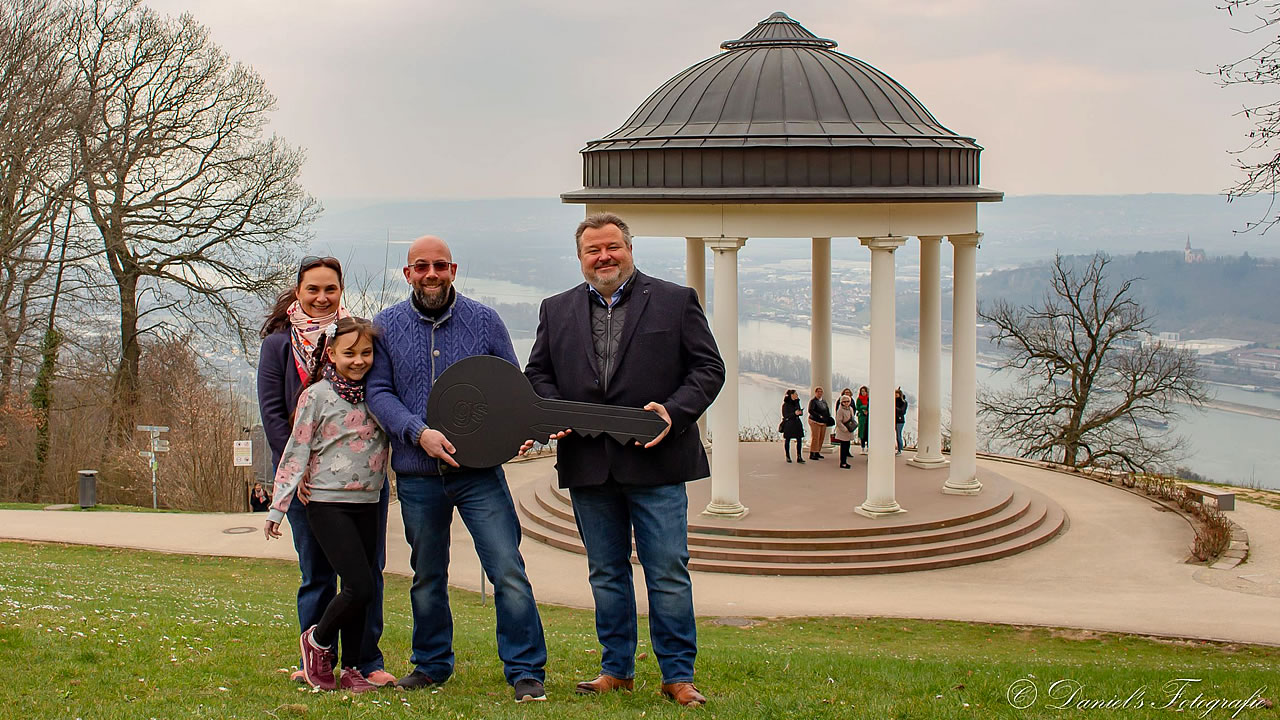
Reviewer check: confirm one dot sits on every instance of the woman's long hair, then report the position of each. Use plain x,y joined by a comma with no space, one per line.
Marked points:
278,318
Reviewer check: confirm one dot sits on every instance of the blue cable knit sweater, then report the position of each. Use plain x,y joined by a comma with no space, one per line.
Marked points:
410,354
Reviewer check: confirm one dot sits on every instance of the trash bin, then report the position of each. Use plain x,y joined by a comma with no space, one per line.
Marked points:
88,488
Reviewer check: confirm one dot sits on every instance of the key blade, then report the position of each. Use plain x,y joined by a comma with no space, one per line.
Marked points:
621,423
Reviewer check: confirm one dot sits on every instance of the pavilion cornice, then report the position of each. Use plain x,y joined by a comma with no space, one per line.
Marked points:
782,195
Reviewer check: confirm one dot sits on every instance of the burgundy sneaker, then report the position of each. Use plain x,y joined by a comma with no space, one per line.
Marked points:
317,662
354,682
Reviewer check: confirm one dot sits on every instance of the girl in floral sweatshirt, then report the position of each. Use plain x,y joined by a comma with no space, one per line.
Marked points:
339,451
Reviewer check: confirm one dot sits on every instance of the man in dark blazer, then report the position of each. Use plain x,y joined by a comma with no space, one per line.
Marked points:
624,338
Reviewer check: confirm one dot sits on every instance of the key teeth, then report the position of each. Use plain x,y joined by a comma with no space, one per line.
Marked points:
625,439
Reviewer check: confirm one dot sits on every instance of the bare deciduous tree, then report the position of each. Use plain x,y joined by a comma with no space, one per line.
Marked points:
1259,159
1092,389
38,109
198,213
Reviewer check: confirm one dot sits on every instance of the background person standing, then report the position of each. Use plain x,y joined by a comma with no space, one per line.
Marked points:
819,420
791,427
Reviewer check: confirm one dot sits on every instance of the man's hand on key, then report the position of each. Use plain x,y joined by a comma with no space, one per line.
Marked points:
662,413
528,444
437,446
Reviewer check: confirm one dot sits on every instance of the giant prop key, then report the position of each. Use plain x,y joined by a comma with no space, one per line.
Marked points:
486,407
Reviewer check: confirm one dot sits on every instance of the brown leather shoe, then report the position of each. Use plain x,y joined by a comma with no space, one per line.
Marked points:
684,693
603,684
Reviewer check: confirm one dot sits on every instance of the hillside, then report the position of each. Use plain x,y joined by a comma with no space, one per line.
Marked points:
1231,297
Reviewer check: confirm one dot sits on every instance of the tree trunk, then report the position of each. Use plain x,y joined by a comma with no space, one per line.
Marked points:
124,385
41,402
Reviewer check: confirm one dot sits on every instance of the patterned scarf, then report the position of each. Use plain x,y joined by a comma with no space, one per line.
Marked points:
305,332
352,392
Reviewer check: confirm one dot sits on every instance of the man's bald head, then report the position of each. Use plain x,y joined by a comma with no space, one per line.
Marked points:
430,271
429,245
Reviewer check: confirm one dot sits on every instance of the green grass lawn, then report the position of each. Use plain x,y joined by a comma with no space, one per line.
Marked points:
99,633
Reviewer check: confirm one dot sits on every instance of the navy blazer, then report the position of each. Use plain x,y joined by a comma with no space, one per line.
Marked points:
278,388
666,355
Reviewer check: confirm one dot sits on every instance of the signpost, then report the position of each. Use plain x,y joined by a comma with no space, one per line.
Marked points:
242,453
157,446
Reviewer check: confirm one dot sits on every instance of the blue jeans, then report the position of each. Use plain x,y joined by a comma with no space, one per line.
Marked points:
484,502
320,582
606,515
899,425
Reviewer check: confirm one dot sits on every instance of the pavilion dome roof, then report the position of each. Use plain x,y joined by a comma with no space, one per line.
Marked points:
781,85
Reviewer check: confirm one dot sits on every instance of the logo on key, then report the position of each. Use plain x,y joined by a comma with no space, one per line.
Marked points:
467,408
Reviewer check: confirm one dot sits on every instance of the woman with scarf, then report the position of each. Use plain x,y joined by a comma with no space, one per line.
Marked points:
289,338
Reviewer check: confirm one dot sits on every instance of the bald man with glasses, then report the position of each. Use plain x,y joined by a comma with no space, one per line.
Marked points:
421,337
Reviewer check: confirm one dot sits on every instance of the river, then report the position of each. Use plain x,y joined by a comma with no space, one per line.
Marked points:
1223,446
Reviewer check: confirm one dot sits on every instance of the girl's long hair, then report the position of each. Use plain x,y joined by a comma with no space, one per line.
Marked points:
321,357
279,316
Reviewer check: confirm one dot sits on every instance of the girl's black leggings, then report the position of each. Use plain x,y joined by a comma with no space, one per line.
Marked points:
348,534
786,446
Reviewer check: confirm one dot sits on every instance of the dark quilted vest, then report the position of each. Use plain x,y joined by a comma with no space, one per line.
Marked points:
606,333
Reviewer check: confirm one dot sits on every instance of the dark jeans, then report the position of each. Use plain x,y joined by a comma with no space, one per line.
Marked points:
482,499
786,446
606,515
900,436
320,583
844,451
348,533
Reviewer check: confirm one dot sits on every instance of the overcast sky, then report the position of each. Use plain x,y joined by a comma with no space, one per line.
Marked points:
404,99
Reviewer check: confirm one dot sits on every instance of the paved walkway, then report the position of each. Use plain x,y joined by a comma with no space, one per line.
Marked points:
1120,567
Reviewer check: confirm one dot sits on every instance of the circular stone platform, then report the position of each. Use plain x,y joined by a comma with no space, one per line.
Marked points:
801,520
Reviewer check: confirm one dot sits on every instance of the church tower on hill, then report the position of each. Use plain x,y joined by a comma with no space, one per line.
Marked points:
1192,255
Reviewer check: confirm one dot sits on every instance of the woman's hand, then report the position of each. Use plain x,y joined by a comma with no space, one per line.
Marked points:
271,529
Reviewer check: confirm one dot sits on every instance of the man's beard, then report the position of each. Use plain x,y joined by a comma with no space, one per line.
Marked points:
600,284
433,301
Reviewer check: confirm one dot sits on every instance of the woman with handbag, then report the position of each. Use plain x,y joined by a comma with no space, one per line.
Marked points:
791,427
819,420
845,425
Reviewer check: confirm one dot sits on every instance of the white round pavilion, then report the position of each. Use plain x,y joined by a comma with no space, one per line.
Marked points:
780,136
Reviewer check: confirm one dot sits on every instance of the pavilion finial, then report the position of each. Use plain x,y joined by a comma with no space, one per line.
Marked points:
778,30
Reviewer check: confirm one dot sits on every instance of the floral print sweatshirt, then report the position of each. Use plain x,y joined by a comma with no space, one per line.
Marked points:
338,448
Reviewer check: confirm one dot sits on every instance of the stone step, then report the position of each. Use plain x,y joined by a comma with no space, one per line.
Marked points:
549,500
557,501
1046,531
1024,525
1035,522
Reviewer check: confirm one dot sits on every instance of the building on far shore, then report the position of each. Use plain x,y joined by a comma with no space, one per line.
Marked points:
1191,255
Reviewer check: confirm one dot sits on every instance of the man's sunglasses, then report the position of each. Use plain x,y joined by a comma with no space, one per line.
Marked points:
422,266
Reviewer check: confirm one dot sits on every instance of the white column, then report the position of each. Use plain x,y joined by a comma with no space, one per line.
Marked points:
695,276
724,413
963,479
820,320
929,403
882,438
